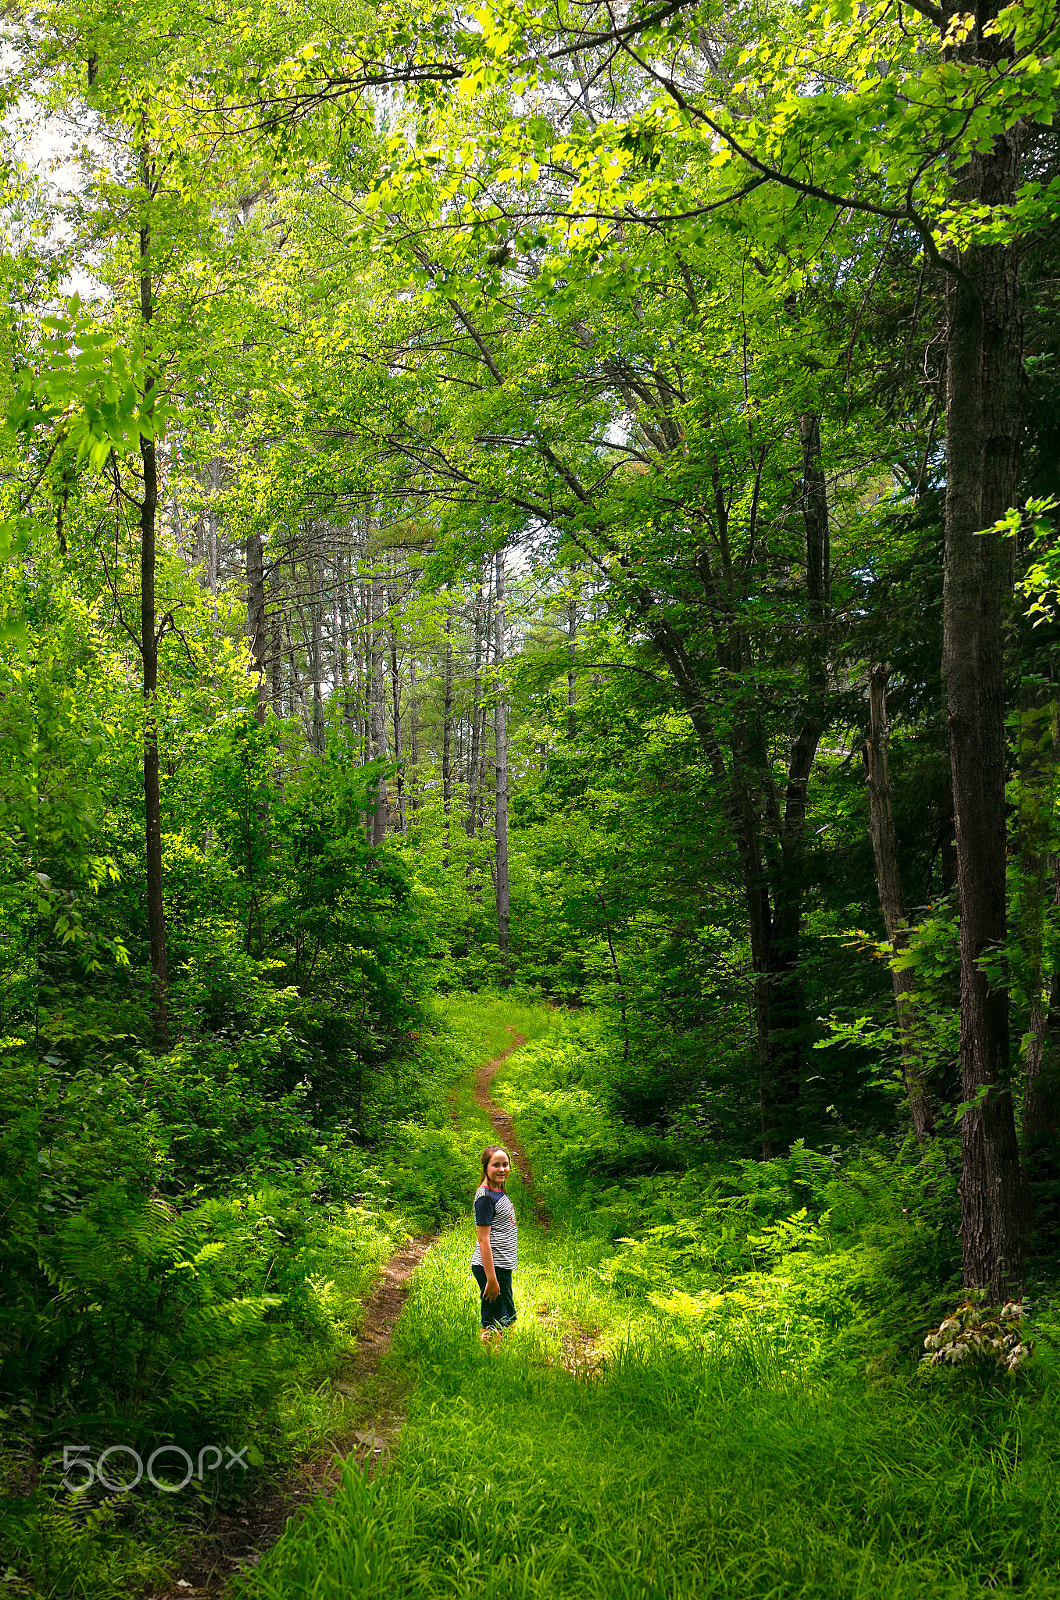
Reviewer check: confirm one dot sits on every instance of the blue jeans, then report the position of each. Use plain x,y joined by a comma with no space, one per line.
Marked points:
499,1313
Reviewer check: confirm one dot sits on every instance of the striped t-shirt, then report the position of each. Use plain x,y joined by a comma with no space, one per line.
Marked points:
494,1210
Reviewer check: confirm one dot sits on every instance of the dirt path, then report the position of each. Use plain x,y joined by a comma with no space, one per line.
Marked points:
504,1127
231,1543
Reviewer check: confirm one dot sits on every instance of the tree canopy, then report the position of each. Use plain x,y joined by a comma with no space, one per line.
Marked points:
552,497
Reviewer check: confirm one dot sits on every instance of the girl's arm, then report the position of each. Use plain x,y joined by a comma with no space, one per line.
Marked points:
493,1288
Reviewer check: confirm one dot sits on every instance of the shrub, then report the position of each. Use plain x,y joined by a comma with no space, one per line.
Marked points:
990,1338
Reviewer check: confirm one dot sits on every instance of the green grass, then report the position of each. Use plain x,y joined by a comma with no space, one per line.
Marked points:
684,1469
326,1260
485,1026
677,1474
487,1021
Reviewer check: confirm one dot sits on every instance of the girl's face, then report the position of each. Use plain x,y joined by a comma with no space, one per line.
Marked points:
497,1170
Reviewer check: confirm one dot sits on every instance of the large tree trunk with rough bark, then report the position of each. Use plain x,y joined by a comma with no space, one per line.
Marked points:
983,376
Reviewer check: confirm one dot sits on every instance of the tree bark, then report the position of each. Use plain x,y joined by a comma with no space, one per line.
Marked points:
447,733
892,905
984,366
341,641
414,732
276,666
395,689
378,707
360,698
476,720
781,1089
297,697
501,759
316,615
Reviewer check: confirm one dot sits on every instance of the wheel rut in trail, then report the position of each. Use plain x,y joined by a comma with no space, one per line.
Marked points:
233,1543
504,1127
237,1542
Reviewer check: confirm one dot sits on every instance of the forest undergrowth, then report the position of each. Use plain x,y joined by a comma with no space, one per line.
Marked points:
713,1389
218,1316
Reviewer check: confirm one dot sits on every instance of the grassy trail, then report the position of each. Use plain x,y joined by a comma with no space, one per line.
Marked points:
656,1469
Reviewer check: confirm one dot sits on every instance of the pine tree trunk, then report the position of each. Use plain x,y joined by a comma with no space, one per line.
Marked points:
316,614
476,720
342,659
364,663
297,700
395,689
500,725
414,732
276,666
378,707
447,734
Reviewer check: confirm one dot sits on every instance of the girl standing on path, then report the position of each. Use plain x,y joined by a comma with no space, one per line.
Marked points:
497,1250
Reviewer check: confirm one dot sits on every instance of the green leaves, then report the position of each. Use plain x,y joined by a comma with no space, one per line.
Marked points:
91,392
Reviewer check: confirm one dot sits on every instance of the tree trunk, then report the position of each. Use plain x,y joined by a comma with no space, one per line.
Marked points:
395,689
500,725
215,470
156,915
782,1085
256,629
276,666
447,733
378,707
414,732
297,691
365,671
892,904
620,988
342,653
572,677
316,614
984,364
476,721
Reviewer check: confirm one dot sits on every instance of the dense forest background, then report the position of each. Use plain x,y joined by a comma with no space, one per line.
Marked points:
553,501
